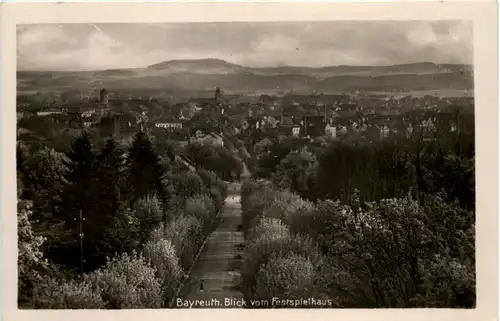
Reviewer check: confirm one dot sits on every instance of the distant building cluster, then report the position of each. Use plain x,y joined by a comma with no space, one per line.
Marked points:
205,119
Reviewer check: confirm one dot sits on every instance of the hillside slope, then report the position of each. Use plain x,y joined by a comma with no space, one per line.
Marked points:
202,74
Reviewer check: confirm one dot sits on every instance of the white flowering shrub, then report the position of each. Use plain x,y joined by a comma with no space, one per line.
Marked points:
161,254
285,205
202,207
391,253
30,256
289,277
271,239
50,293
255,198
266,227
128,282
186,234
149,213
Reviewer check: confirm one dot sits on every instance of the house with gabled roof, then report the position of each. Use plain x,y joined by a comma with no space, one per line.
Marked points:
211,138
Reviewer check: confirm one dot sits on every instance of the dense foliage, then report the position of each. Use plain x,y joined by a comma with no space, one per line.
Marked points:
108,225
387,224
387,253
423,163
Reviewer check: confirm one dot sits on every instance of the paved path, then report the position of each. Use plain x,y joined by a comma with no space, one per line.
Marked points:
218,263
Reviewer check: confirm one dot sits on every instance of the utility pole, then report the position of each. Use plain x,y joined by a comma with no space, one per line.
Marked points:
81,241
80,236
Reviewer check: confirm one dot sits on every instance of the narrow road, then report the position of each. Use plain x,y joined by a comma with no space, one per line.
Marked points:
218,264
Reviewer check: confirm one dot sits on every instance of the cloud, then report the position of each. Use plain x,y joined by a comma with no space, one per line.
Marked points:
276,43
58,48
105,46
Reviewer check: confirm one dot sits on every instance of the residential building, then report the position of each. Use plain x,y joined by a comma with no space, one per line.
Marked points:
384,131
255,123
90,121
342,129
331,131
428,124
48,112
210,139
88,113
169,124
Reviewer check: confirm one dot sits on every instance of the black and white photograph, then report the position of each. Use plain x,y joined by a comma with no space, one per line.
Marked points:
246,164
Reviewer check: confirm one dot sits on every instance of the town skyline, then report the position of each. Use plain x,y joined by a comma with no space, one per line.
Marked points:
79,47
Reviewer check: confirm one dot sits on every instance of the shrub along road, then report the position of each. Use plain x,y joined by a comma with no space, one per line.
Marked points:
217,267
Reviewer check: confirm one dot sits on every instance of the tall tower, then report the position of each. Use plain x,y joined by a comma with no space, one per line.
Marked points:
217,95
103,97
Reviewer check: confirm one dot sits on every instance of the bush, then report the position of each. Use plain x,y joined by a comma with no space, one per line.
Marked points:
223,189
285,278
253,206
447,282
30,256
393,246
248,187
161,254
267,226
319,222
335,282
212,182
285,205
53,294
271,239
149,213
158,233
201,207
128,282
209,178
217,198
185,233
186,184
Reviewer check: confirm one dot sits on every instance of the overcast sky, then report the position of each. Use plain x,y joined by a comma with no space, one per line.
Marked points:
103,46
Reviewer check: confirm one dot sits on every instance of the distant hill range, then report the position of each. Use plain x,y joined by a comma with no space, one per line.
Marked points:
205,74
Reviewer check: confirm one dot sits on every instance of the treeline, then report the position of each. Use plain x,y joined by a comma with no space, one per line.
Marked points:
421,164
392,253
109,228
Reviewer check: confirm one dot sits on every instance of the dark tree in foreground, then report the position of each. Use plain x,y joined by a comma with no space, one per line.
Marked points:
144,170
101,219
89,205
78,198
